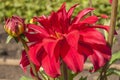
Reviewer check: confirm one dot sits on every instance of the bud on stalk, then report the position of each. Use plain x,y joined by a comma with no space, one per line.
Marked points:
14,26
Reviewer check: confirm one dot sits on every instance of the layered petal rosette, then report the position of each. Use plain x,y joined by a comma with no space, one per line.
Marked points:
61,38
14,26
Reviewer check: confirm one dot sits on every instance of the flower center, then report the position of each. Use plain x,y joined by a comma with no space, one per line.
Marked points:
56,35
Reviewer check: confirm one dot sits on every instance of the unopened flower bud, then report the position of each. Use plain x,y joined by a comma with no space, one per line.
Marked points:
14,26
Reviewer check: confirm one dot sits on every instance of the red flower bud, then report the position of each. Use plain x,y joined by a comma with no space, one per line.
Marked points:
110,1
14,26
104,16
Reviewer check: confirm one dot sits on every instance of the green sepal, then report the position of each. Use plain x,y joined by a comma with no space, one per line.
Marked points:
8,39
22,36
71,74
16,39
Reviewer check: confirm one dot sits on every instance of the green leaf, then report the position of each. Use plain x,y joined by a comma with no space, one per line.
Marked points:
115,57
8,39
71,75
25,78
113,71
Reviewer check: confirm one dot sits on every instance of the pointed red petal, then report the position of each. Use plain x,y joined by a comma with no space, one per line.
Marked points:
110,1
72,38
35,53
101,55
102,27
73,60
33,37
70,11
38,29
51,67
81,14
54,22
104,16
107,28
44,21
85,49
90,20
71,57
63,6
92,36
52,47
24,61
63,19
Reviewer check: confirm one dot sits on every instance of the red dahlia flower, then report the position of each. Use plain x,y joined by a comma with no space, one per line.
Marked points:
72,40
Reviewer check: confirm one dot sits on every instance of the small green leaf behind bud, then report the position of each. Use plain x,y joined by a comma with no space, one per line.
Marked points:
8,39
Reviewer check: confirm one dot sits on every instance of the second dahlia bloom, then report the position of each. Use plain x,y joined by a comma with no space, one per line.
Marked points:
72,40
14,26
110,1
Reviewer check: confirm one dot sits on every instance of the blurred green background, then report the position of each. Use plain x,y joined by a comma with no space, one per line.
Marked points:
29,8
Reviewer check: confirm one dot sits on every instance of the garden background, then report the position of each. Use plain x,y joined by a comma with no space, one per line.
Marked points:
28,9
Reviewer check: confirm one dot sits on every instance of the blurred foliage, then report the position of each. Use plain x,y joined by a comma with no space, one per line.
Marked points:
25,78
115,57
29,8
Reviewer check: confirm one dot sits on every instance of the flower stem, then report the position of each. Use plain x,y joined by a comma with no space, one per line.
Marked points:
90,5
43,75
64,71
110,35
112,22
36,77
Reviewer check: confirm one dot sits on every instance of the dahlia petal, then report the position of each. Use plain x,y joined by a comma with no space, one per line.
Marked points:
63,19
110,1
70,11
33,37
44,21
35,53
72,38
63,6
92,36
90,20
24,62
104,16
101,55
73,60
52,47
85,49
102,27
81,14
97,60
105,27
38,29
51,66
54,22
76,26
104,49
71,57
81,26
